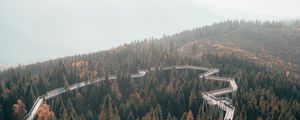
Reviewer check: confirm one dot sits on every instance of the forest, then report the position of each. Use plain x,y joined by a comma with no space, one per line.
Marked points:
264,93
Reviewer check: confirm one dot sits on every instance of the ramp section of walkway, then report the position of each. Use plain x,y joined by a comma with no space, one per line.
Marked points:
223,103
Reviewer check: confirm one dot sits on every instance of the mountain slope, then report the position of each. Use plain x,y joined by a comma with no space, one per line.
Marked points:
272,44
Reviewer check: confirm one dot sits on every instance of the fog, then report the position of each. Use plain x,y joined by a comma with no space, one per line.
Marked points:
36,30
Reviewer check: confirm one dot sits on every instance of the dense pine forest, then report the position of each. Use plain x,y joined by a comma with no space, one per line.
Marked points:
265,92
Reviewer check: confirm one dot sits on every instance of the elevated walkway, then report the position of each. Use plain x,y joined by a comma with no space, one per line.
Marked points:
211,96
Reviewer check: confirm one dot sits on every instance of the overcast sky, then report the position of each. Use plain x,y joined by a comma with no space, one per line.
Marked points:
282,8
34,30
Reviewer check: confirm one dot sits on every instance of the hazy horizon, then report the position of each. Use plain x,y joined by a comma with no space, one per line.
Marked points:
35,30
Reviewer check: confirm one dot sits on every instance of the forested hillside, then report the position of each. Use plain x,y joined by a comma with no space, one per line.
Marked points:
264,92
276,44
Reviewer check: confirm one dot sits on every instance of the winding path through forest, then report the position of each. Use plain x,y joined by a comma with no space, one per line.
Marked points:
211,97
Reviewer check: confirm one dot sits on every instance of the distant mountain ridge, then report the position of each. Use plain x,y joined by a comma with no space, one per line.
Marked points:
3,67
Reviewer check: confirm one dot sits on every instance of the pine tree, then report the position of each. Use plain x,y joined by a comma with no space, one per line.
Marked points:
130,116
108,110
190,116
19,110
159,114
66,83
243,114
201,114
184,116
169,117
30,97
